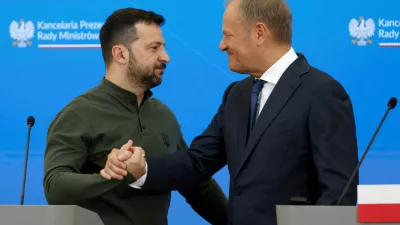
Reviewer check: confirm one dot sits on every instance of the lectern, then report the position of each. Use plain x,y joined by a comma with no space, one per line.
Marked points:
47,215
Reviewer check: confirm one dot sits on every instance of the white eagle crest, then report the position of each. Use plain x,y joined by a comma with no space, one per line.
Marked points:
21,33
362,30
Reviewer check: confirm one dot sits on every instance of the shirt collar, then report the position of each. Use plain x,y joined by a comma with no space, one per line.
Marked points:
274,73
119,92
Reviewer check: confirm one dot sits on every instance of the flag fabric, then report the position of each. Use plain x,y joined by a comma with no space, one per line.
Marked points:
378,203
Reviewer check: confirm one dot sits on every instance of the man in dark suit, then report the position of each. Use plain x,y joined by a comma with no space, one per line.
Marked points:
300,143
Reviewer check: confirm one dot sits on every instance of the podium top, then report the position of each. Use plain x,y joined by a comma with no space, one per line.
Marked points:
48,215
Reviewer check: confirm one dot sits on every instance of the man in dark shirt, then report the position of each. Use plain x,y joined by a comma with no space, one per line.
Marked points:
120,109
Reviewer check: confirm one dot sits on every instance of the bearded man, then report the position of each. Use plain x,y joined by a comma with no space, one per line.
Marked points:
122,109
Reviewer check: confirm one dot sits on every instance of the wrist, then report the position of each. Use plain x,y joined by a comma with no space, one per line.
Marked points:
137,173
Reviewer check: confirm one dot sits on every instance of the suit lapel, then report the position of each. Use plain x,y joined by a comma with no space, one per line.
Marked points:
244,113
281,94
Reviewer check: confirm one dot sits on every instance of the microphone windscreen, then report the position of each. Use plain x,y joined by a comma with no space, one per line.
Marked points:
392,102
30,121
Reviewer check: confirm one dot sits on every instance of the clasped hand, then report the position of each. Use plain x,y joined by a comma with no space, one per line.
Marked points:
128,159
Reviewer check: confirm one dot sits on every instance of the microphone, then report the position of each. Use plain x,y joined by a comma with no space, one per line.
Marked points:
391,105
30,121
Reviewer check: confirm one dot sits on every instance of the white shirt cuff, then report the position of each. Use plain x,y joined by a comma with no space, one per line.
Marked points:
140,182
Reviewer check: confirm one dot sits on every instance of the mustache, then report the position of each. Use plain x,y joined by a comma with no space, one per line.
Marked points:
161,66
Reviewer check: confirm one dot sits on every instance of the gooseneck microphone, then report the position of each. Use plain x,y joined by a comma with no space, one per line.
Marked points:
30,121
391,105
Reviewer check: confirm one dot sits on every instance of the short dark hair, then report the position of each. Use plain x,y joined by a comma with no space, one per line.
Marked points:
119,28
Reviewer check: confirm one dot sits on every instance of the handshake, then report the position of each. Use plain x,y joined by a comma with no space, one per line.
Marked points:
120,162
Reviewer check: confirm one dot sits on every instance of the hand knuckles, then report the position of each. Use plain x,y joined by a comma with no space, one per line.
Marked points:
114,160
111,173
113,168
117,169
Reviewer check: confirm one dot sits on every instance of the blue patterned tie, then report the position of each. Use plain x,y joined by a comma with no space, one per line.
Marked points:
257,86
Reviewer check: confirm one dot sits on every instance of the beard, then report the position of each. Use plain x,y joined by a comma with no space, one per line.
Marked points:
144,77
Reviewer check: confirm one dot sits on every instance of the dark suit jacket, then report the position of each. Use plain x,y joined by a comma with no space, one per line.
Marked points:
303,145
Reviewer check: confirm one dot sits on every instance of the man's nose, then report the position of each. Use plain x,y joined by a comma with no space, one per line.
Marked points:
164,57
222,45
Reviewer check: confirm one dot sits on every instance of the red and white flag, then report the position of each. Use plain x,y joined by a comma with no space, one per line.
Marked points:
378,203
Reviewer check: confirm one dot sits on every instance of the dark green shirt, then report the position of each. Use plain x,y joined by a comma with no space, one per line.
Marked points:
83,134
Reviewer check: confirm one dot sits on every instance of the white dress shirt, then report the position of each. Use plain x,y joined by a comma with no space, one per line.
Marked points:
271,76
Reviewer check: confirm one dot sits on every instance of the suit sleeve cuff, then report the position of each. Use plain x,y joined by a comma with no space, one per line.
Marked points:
140,182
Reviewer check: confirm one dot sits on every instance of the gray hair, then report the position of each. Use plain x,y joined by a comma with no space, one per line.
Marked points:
274,13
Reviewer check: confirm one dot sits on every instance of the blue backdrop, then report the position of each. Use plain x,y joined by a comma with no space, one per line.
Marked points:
41,78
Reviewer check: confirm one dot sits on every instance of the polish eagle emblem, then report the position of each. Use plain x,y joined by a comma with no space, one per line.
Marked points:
22,32
361,30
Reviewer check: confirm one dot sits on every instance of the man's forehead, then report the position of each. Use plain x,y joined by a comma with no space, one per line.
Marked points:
232,6
231,14
231,22
231,19
148,30
148,34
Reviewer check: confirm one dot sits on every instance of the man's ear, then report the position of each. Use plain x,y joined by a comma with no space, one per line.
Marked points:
262,33
120,54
